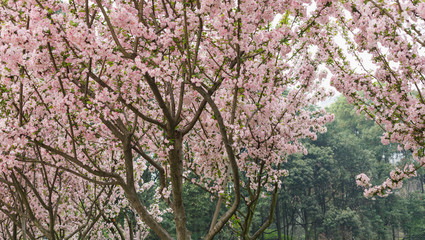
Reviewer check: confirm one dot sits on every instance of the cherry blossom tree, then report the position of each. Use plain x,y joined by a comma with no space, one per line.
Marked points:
380,68
98,94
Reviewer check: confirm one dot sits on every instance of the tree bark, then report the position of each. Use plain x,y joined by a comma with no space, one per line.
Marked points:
15,232
393,228
136,203
305,226
176,173
278,221
24,234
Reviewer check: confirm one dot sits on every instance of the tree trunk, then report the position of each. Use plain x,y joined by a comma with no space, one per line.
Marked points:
278,221
293,224
137,204
24,229
393,232
15,232
176,168
305,225
133,197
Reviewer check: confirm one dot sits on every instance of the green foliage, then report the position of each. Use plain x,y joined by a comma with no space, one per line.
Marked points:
342,223
272,235
320,199
199,211
414,226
